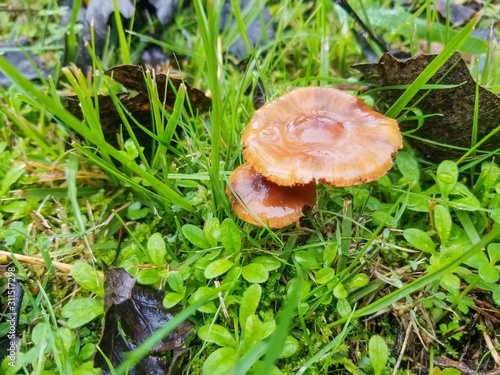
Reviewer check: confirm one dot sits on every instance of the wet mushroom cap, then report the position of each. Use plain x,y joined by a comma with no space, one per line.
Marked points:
280,205
320,134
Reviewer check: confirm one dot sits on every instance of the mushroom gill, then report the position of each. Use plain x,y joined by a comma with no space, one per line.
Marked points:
264,201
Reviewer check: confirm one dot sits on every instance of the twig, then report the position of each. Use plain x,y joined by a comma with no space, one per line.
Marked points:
444,363
63,267
221,299
490,345
495,371
403,348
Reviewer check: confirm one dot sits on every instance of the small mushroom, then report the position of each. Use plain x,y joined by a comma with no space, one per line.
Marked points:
320,134
265,201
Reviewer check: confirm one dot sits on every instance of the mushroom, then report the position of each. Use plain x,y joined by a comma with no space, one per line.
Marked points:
320,134
264,201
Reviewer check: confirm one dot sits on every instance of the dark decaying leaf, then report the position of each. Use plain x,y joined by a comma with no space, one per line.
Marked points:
138,105
254,31
98,14
132,313
23,63
133,77
153,57
456,105
459,13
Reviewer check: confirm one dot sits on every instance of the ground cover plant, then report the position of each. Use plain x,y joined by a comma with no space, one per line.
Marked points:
120,252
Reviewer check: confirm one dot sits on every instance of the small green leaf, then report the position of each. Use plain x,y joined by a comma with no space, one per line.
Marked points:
495,213
379,353
131,150
343,307
447,172
87,351
450,282
442,221
148,276
494,252
217,334
230,236
202,293
290,347
172,299
359,281
258,370
219,362
85,275
86,368
477,260
81,311
208,308
135,212
496,295
306,287
196,236
408,165
255,273
306,259
217,268
450,371
157,249
252,333
268,327
325,275
339,291
11,177
488,273
249,303
330,253
233,275
419,240
212,231
175,281
39,334
271,263
466,203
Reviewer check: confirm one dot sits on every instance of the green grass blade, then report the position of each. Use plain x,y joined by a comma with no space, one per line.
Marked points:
124,50
72,43
209,37
55,109
30,131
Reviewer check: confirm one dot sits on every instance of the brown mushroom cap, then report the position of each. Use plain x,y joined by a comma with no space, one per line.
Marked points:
280,205
320,134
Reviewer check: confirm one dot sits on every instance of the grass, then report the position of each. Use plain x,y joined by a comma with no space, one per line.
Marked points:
419,247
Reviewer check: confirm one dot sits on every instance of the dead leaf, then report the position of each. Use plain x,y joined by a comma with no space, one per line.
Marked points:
138,105
446,363
459,14
133,77
132,313
97,15
453,107
22,62
254,31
